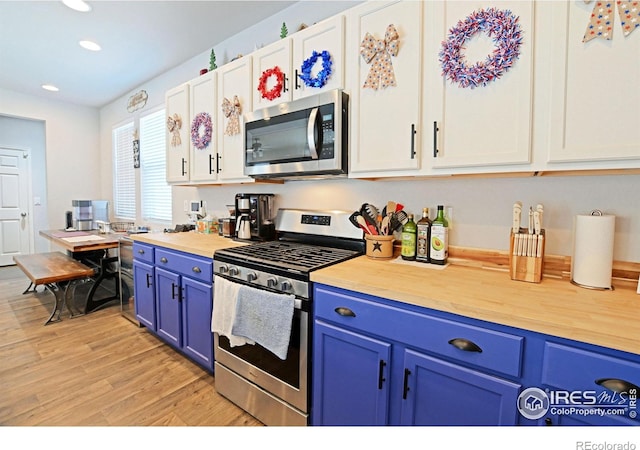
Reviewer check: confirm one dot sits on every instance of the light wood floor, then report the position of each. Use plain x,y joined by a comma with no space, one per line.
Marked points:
96,370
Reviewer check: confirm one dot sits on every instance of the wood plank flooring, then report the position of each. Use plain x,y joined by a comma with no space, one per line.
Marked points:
96,370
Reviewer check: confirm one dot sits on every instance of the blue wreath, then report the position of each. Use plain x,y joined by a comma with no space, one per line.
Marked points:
323,75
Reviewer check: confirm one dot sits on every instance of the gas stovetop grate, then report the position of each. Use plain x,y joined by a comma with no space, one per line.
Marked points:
300,257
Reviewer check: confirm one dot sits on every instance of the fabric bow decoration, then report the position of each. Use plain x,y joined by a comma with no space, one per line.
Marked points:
601,20
174,123
232,111
378,53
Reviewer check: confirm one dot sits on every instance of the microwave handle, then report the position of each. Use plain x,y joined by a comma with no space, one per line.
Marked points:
311,135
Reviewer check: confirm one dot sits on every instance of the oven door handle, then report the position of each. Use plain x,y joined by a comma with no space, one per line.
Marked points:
311,133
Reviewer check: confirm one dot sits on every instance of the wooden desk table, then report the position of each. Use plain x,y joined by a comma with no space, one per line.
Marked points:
92,249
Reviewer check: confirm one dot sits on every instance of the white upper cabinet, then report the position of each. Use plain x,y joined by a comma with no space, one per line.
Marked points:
272,74
202,105
594,91
385,126
486,125
178,133
318,58
235,93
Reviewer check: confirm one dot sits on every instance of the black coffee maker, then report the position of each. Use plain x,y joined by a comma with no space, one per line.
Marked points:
255,217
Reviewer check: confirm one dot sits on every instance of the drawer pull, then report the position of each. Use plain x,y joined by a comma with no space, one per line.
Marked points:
405,389
618,385
465,345
164,260
196,269
381,378
344,311
141,251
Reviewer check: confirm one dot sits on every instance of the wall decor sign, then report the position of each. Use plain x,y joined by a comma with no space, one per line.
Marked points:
502,26
601,20
307,65
277,88
378,53
201,130
232,111
174,123
137,101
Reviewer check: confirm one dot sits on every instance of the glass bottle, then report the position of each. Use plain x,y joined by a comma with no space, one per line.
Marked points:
439,238
409,233
423,237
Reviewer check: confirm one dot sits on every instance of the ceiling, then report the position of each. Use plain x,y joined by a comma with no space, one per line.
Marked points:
140,40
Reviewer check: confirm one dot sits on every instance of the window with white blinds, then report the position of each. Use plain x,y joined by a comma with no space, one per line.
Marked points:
124,184
155,192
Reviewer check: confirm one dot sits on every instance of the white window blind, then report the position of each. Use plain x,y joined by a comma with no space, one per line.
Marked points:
155,192
124,185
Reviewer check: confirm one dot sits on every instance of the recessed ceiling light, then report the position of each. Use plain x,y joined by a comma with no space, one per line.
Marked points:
90,46
50,87
78,5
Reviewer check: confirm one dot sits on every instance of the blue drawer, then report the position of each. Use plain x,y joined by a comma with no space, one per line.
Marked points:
143,252
192,266
474,345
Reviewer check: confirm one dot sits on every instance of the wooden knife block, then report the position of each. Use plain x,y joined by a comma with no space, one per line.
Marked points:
526,268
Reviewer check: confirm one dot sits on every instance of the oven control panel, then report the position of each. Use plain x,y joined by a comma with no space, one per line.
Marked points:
260,279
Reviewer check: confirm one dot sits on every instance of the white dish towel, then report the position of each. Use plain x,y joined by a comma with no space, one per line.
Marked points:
225,297
265,317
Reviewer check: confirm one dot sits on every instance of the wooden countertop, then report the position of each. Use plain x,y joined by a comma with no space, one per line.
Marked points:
189,242
554,306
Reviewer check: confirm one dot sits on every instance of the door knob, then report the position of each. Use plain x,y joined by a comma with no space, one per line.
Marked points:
23,214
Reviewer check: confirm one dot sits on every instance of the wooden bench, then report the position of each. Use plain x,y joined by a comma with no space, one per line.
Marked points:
58,273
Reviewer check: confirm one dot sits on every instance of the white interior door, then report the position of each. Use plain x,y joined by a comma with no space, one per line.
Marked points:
15,229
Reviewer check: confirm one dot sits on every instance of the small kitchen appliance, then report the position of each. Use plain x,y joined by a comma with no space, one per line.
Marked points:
273,390
254,217
82,214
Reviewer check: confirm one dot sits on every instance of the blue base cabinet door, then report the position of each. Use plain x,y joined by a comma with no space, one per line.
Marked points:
436,392
168,306
144,295
350,379
196,310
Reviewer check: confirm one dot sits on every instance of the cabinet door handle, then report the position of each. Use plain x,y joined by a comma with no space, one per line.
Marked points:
210,164
184,172
173,291
413,140
164,260
435,139
344,311
381,378
218,169
196,269
296,85
284,84
465,345
405,388
148,280
618,385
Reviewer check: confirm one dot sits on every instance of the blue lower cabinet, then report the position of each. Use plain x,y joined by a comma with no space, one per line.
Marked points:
351,377
144,294
437,392
197,306
168,307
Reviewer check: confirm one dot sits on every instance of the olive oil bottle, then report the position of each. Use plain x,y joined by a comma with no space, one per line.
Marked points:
439,238
423,237
409,232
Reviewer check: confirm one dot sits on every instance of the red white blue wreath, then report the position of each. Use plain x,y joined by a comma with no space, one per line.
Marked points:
201,120
321,79
502,26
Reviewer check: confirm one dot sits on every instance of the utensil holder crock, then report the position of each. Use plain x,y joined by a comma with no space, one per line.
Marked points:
379,247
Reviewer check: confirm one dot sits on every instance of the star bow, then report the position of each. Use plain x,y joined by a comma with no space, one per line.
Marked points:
378,53
602,17
174,123
232,111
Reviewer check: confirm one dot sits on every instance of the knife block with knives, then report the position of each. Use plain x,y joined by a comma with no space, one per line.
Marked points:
526,247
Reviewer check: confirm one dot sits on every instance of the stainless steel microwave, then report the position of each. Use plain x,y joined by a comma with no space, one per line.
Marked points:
305,138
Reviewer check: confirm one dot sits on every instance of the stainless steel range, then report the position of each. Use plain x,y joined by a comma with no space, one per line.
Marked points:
274,390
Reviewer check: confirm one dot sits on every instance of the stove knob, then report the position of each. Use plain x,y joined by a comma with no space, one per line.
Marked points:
286,285
224,268
272,282
251,276
233,271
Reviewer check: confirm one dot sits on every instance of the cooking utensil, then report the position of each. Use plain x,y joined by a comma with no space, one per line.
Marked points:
367,211
517,213
384,228
399,207
365,226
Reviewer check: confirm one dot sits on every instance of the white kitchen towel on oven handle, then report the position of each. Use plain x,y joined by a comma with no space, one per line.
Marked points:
265,317
225,296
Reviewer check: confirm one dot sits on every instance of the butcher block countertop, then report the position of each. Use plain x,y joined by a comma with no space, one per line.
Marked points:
554,306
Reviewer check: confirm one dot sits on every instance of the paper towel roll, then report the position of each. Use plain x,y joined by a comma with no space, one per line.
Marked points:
593,250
